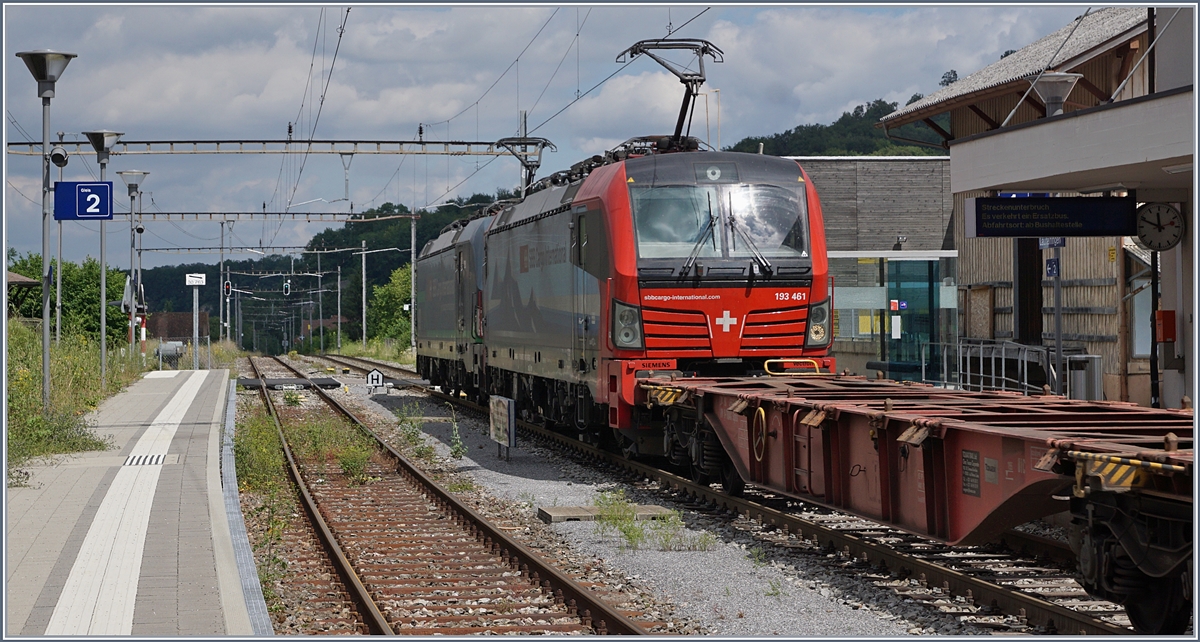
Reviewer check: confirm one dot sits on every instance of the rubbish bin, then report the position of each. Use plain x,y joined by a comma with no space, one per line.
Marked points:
1086,377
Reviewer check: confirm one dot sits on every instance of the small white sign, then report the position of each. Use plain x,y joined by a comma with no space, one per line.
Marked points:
375,379
195,279
503,427
895,326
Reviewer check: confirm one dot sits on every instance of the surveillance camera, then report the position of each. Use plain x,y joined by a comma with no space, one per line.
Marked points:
58,156
140,228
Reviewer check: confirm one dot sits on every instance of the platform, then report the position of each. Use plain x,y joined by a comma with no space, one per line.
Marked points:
136,540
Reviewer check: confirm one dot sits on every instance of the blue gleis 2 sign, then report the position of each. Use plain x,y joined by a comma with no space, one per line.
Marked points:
83,201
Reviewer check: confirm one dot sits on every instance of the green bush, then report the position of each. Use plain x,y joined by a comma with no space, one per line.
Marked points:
75,390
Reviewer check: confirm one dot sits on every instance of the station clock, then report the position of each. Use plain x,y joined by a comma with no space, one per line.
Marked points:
1160,226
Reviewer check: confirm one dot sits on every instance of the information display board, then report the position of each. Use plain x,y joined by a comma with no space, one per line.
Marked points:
1049,217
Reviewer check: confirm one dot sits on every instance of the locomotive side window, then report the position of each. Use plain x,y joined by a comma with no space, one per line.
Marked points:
589,243
671,220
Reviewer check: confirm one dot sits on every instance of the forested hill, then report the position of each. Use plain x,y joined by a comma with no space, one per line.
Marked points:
854,134
163,285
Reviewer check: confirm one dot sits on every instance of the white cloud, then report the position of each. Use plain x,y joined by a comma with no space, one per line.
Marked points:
173,72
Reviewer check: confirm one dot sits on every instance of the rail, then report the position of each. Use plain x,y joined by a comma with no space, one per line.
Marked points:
367,608
603,616
1008,600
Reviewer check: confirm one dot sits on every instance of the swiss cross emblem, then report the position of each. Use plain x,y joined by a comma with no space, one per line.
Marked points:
725,321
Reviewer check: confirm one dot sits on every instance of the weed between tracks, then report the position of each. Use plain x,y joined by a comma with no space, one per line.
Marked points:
262,474
617,515
329,439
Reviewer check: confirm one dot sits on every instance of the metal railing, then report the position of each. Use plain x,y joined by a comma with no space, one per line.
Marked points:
985,364
176,353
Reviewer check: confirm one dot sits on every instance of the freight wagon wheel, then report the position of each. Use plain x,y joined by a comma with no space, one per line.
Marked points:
731,480
1160,609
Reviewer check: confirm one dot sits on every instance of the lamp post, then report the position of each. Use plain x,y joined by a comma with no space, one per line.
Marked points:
133,179
102,141
47,67
59,157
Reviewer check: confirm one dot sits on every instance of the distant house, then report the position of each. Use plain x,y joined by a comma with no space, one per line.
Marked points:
18,289
1127,128
174,325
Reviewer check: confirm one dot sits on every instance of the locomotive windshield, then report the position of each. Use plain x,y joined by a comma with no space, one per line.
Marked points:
671,220
678,221
718,205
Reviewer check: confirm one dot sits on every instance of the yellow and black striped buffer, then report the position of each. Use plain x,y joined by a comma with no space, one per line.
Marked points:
665,396
1117,476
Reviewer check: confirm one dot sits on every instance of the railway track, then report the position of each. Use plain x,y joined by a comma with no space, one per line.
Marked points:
1024,583
421,562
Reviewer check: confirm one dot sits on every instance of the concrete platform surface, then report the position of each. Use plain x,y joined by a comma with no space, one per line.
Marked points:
134,540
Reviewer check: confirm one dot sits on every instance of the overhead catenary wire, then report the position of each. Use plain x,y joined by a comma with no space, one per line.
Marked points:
503,74
572,45
303,101
607,78
317,119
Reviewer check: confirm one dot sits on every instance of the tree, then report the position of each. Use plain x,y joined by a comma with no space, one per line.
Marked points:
386,316
80,295
1007,53
949,78
854,134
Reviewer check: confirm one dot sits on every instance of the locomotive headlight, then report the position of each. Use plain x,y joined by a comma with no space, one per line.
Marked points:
626,326
819,332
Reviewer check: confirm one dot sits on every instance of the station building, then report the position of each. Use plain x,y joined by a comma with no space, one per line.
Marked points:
1127,127
888,233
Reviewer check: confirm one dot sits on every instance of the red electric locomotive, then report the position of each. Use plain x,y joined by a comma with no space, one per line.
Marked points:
639,263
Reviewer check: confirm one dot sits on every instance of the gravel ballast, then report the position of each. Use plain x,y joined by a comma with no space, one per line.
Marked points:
734,586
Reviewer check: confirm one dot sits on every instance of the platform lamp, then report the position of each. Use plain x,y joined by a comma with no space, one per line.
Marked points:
1053,88
133,179
47,67
102,141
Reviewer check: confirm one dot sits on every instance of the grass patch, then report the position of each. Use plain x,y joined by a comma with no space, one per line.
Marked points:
261,471
353,462
381,349
412,438
292,398
331,440
618,516
758,556
464,485
75,390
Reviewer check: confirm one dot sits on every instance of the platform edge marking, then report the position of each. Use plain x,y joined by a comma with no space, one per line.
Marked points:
100,574
233,603
256,605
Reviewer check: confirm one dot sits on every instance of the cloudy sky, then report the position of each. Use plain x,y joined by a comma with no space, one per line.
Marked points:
234,72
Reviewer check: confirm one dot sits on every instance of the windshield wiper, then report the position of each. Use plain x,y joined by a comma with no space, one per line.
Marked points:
762,261
709,231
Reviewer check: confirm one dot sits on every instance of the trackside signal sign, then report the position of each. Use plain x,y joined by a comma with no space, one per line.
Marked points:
75,201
